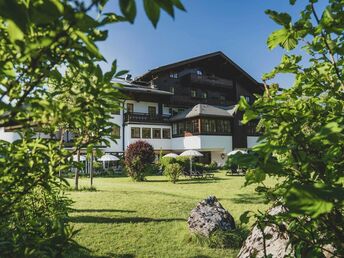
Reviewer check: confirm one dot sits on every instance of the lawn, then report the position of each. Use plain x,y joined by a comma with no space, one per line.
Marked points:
148,219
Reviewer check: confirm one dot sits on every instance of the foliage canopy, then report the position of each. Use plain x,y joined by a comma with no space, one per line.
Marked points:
302,141
38,41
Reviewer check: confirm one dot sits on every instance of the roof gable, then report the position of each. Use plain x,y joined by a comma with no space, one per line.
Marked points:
149,75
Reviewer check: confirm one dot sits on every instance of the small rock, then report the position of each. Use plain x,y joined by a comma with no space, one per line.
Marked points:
208,216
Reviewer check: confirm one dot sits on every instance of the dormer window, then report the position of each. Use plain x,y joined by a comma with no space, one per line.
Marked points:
204,95
174,75
222,99
193,93
172,90
199,72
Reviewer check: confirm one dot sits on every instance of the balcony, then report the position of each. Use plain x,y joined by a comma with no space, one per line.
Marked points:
208,81
136,117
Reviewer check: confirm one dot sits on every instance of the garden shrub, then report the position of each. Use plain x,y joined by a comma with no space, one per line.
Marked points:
151,169
173,172
138,157
184,162
164,161
213,165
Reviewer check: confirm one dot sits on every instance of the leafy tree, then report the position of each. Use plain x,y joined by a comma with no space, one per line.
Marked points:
138,156
37,40
302,142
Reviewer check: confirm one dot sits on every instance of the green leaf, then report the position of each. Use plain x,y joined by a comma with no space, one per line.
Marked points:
167,5
89,44
14,31
121,73
109,75
309,200
243,104
178,4
8,69
128,8
152,11
283,38
248,116
280,18
245,218
329,133
254,176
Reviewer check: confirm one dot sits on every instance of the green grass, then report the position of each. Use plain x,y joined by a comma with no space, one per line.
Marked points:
148,219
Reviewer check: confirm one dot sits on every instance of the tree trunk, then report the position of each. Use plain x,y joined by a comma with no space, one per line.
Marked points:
62,132
76,187
91,169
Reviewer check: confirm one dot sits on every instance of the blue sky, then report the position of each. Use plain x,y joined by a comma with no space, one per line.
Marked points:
238,28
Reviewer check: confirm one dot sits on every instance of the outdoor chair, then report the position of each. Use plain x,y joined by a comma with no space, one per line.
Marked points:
209,175
186,173
196,174
233,171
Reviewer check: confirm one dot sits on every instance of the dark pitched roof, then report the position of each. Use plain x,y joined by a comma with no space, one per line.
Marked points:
194,59
204,110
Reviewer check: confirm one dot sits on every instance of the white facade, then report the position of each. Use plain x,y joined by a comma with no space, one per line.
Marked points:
251,141
217,145
8,136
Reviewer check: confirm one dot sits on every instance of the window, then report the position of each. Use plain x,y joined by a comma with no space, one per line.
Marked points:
175,129
188,126
174,75
172,90
181,128
193,93
146,133
199,72
152,111
135,132
252,128
222,99
195,126
223,126
130,108
204,95
166,133
156,133
116,132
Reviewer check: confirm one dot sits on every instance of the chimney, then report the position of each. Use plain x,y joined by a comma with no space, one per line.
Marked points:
128,77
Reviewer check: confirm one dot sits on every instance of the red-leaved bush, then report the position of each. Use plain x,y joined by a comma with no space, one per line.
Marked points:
137,156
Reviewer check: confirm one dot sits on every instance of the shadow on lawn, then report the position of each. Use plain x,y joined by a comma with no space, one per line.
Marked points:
191,181
78,251
107,220
101,210
247,199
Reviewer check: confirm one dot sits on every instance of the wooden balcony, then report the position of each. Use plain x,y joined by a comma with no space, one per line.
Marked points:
136,117
208,81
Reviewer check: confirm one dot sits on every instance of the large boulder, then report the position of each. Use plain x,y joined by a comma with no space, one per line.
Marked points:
276,240
208,216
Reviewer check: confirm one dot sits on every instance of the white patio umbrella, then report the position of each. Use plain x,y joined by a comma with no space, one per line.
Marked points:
82,158
170,155
108,157
233,152
191,154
